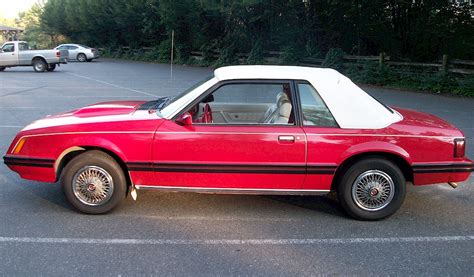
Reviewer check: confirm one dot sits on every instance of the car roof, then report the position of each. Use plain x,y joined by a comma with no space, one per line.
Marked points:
351,106
273,72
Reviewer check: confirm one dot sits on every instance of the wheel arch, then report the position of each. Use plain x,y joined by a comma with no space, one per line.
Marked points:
38,58
68,154
395,158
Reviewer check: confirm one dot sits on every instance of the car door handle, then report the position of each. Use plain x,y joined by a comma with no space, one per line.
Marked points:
286,138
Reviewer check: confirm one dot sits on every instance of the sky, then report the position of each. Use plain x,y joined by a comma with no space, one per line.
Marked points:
11,8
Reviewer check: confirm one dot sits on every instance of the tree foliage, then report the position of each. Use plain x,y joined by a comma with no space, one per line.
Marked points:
407,29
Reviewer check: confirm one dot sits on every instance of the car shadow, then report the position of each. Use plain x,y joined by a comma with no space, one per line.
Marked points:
327,204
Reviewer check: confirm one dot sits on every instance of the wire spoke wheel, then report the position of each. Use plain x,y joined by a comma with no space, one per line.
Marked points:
93,185
373,190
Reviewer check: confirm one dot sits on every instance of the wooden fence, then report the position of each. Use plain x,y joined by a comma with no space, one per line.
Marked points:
445,64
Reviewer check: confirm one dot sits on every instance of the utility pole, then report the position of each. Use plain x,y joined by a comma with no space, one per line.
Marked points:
172,52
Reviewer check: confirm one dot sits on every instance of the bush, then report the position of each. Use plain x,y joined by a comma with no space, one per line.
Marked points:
256,54
373,73
291,54
334,59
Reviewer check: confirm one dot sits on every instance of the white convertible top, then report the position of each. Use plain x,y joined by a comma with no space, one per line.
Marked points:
351,107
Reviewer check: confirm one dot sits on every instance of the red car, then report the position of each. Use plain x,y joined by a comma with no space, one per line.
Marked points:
248,130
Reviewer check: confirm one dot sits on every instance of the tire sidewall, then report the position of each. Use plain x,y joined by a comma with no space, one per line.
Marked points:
45,66
94,158
51,67
347,181
81,57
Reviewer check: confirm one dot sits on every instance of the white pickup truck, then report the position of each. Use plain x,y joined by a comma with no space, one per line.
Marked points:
18,53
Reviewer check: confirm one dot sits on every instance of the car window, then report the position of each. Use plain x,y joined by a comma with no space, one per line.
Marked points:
315,111
246,103
8,47
23,46
72,47
83,46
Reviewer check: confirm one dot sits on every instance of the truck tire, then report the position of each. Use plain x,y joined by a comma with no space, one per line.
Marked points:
81,57
39,65
2,68
51,67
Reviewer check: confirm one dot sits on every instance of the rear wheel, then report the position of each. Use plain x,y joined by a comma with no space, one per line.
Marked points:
372,189
40,65
51,67
94,182
81,57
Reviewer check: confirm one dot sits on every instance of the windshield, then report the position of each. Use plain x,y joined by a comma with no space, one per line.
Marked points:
175,98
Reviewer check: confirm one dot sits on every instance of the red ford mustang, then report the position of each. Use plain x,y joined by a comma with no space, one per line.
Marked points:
248,130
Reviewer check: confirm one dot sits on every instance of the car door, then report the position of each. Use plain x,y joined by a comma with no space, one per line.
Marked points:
218,155
325,142
8,55
73,51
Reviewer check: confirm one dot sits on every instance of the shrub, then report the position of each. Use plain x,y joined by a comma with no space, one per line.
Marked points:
256,54
334,59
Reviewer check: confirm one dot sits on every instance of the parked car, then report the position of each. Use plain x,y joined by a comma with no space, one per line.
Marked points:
18,53
247,130
79,52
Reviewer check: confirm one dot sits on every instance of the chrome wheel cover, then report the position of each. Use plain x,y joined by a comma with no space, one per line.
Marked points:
92,185
373,190
39,66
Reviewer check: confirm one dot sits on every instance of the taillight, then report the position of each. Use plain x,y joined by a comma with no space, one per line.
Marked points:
58,54
459,148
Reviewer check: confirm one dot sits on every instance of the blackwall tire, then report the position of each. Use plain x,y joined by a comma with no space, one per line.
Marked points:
372,189
93,182
51,67
81,57
39,65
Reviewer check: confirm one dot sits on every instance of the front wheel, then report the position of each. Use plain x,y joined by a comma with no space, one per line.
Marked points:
94,182
372,189
39,65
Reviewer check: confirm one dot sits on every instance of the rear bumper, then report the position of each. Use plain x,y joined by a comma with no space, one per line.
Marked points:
37,169
433,173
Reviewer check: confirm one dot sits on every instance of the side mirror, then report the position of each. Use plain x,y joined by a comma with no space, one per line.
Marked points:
185,119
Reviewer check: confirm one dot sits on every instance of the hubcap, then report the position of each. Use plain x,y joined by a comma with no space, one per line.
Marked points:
92,185
373,190
39,66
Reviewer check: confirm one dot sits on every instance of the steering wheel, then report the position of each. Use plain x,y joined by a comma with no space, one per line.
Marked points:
207,115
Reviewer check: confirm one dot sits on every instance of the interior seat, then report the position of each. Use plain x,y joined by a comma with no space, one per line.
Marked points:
273,111
284,113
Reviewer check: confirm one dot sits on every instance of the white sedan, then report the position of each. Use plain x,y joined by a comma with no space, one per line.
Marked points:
79,52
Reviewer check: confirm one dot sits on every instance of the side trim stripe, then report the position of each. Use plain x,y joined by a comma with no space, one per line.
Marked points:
443,167
236,190
238,168
33,162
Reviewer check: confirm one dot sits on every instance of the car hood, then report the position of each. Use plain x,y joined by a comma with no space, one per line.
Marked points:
103,109
96,113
